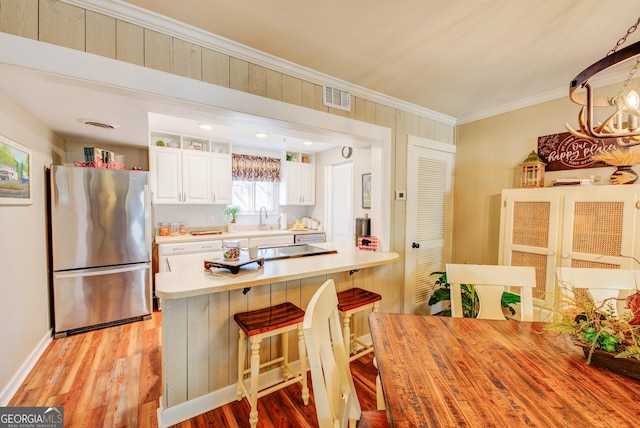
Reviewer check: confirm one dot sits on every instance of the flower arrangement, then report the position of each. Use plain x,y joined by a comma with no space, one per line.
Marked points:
618,157
599,326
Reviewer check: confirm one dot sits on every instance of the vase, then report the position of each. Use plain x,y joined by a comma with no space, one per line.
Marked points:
624,175
607,360
232,227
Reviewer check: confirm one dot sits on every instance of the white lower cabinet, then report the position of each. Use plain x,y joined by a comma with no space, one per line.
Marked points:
585,226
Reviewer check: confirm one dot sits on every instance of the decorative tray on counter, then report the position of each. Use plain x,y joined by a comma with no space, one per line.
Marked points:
232,265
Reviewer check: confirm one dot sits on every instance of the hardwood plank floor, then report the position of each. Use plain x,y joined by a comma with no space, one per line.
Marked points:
112,378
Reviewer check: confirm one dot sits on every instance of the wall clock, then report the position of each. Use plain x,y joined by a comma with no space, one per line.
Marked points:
346,152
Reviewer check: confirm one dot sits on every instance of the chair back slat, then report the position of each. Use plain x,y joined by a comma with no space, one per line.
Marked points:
601,284
333,388
490,282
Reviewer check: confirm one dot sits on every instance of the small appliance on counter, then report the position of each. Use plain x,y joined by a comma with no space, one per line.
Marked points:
363,227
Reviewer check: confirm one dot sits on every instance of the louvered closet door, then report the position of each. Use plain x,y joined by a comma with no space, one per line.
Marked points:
598,228
341,208
429,177
530,237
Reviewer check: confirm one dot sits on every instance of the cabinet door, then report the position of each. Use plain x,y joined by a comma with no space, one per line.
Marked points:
196,175
290,187
221,184
166,173
599,228
530,236
307,187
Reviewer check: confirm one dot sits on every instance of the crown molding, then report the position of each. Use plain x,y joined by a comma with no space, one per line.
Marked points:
136,15
603,79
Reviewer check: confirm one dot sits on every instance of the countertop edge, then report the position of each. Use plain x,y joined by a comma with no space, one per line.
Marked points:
203,283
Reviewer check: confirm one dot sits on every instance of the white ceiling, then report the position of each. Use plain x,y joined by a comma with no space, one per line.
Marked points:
467,60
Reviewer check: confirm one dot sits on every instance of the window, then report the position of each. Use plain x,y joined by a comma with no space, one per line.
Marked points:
250,196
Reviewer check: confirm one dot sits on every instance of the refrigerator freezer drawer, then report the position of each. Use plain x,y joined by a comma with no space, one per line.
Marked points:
92,298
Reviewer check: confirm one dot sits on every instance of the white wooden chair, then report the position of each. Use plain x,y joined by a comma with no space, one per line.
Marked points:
602,284
334,393
490,282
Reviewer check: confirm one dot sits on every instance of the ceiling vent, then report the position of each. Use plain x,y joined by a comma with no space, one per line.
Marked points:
336,98
98,124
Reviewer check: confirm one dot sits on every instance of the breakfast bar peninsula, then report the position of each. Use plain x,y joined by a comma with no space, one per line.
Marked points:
200,337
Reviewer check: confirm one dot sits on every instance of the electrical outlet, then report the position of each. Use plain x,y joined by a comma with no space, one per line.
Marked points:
212,218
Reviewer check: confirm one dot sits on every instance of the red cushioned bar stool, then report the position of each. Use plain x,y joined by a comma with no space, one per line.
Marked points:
262,324
350,302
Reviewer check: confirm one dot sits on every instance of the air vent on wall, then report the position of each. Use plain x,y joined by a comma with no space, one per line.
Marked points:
336,98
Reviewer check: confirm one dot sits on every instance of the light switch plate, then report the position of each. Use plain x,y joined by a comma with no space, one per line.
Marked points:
401,195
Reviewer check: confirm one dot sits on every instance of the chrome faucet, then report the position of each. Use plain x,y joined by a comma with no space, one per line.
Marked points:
261,225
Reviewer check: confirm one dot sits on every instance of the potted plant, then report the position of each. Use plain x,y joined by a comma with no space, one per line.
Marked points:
470,303
231,212
608,339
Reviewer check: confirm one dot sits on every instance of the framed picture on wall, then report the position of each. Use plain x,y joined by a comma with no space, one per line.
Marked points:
15,170
366,190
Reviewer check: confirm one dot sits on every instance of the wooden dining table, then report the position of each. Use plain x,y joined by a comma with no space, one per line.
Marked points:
452,372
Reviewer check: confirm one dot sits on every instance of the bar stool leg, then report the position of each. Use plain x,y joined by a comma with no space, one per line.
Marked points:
255,373
284,337
346,333
302,352
242,355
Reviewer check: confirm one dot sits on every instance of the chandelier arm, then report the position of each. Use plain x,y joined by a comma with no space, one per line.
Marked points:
589,121
582,79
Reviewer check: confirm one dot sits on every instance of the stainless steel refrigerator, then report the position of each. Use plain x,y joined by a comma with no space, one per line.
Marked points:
100,247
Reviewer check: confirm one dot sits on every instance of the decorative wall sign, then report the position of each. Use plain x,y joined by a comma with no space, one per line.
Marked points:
566,151
15,170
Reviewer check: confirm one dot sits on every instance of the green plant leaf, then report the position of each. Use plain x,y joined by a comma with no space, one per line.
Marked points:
440,295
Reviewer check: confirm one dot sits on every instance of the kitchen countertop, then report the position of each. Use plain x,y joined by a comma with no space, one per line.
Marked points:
230,235
188,278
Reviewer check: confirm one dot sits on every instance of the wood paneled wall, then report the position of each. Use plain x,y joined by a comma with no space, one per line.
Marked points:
62,24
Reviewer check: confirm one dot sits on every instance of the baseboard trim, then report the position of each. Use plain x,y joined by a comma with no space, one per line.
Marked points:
202,404
14,384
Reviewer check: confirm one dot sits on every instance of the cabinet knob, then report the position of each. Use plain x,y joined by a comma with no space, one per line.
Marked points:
551,253
565,255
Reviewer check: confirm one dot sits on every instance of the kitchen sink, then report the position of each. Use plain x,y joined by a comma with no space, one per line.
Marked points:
288,251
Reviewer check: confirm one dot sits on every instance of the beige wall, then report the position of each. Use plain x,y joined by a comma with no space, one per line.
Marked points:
24,290
487,161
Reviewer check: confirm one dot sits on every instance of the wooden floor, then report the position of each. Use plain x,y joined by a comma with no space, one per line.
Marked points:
112,378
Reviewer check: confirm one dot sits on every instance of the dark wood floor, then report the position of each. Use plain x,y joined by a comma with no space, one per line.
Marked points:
112,378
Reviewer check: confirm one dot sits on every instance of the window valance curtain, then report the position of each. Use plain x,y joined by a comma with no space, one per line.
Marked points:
255,168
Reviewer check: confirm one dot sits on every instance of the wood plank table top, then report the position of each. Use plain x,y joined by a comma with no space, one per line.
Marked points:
452,372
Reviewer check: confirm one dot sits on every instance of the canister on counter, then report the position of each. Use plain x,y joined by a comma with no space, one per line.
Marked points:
182,228
163,229
231,249
174,229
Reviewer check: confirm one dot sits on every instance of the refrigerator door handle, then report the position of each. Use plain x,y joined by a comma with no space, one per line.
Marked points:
147,218
98,272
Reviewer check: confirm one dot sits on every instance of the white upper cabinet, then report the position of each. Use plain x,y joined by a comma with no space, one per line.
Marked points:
221,184
298,179
188,170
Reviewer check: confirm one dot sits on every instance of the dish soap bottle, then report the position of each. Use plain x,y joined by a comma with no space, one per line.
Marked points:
283,221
